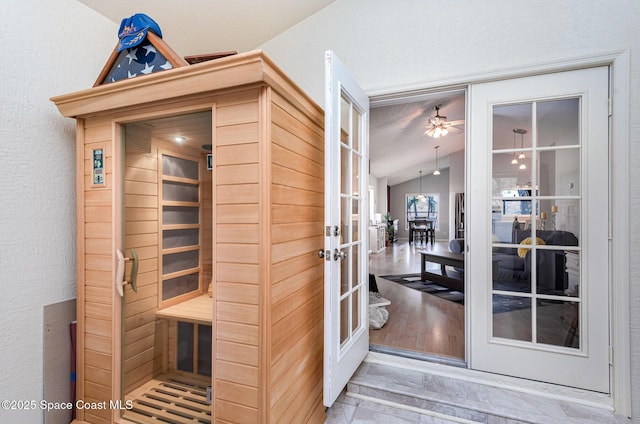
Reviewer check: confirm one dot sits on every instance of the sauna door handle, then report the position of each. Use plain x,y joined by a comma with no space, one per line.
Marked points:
120,282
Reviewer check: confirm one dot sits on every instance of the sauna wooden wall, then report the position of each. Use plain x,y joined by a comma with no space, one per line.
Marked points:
237,257
94,216
296,283
143,348
269,199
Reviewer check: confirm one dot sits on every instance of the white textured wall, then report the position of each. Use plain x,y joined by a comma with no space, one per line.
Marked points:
404,43
47,48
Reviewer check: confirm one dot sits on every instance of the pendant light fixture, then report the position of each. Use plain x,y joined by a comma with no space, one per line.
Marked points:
514,161
521,155
421,197
437,171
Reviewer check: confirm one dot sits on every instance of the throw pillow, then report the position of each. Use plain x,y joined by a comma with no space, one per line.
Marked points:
522,251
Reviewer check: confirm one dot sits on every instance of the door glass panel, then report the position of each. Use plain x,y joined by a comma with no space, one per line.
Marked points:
354,265
535,218
356,174
558,122
557,272
345,175
344,274
355,130
355,221
345,121
355,311
345,225
344,320
562,215
512,317
558,323
506,118
511,272
559,172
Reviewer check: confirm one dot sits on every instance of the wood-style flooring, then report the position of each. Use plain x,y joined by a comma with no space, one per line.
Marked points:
418,322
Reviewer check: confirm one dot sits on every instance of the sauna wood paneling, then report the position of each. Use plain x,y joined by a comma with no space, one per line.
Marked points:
94,243
237,258
142,351
297,215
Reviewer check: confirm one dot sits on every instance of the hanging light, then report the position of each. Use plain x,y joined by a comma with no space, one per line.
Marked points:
437,171
521,155
514,161
421,197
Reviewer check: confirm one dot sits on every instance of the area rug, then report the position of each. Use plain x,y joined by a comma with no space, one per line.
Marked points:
500,303
413,281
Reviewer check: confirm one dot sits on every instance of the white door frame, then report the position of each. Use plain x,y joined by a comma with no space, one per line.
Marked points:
619,177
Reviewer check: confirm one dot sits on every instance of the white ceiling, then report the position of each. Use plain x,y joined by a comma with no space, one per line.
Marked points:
398,145
399,149
204,26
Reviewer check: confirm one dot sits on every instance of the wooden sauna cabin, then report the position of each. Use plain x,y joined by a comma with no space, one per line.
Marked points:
228,287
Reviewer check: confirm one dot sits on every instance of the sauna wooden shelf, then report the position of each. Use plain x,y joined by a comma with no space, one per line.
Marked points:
198,310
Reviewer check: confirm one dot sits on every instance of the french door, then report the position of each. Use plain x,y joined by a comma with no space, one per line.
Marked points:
346,335
538,222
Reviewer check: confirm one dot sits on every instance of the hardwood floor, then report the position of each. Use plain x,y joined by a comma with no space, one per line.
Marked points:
418,322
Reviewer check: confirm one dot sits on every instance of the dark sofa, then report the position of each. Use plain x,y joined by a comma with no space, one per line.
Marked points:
514,272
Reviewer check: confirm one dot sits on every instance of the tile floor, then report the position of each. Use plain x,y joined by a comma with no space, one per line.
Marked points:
389,389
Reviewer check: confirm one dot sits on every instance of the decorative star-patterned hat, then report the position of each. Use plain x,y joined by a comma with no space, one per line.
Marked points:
133,30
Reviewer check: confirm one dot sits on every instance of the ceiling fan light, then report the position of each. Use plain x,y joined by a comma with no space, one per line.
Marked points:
444,131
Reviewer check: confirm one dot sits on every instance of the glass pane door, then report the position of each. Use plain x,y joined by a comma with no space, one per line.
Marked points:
346,340
537,223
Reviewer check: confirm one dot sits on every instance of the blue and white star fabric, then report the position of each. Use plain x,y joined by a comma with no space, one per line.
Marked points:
140,60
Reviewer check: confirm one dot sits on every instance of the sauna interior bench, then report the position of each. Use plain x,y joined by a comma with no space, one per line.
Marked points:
198,310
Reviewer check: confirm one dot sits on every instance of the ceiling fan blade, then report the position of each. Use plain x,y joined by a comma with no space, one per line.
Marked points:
457,122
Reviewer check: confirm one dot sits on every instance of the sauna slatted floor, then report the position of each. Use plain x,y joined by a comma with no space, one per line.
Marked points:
170,399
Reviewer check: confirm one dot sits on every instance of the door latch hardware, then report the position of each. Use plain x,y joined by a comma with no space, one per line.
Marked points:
324,254
339,254
330,231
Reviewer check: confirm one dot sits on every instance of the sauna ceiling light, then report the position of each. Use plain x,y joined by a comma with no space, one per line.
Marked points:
179,139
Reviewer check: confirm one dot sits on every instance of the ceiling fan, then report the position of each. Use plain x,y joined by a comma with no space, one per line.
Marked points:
438,125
